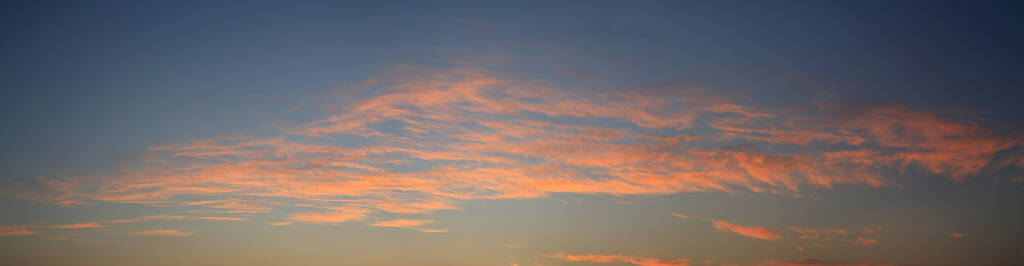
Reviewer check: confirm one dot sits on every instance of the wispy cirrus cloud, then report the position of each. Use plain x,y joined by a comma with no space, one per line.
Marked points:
214,218
77,226
811,233
814,262
18,230
865,242
435,137
619,258
816,235
160,232
410,224
146,218
333,217
644,261
757,232
747,231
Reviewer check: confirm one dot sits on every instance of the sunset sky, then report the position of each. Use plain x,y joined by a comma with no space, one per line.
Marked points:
511,133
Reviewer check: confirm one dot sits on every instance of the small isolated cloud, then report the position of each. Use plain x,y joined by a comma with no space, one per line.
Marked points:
510,246
431,230
279,223
19,230
77,226
635,260
96,242
410,224
813,262
873,229
146,218
811,233
221,218
684,216
239,207
957,235
865,242
328,217
747,231
166,232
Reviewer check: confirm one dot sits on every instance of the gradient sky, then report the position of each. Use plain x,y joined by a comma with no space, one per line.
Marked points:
511,133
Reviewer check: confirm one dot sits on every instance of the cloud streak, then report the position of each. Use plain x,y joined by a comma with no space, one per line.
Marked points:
162,232
16,231
813,262
619,258
334,217
77,226
747,231
410,224
432,138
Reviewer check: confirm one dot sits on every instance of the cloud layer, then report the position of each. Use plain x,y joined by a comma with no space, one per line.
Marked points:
417,140
634,260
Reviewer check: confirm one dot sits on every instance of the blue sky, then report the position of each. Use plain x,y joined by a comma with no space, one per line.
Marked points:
548,133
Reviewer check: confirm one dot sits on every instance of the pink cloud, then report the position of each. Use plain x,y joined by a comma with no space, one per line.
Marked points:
873,229
957,235
865,242
479,136
635,260
222,218
811,233
334,217
166,232
748,231
409,224
146,218
821,263
19,230
77,226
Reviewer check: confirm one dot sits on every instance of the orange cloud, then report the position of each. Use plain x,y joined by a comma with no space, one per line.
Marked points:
873,229
865,242
20,230
957,235
222,218
410,224
635,260
820,263
168,232
748,231
77,226
810,233
328,217
680,215
146,218
438,137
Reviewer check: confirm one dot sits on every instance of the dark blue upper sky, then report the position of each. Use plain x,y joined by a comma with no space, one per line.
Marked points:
86,82
663,129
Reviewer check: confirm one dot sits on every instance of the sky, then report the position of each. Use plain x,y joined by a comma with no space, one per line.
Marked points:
652,133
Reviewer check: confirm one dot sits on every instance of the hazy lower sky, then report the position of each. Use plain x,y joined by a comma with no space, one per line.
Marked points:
511,133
